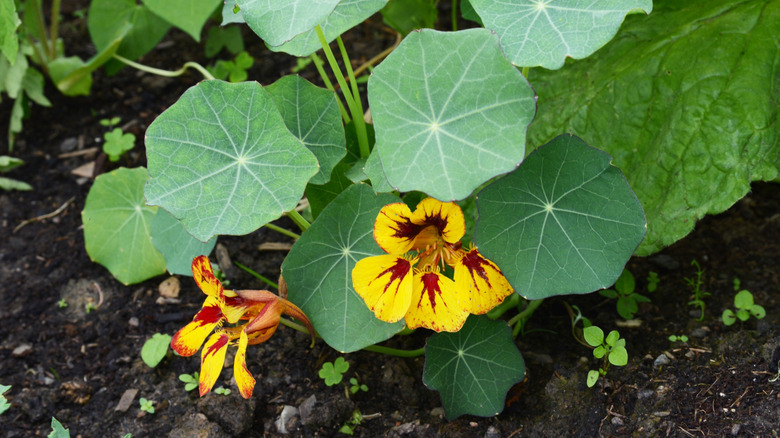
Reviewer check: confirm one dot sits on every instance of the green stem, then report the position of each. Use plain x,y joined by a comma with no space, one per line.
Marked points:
54,27
454,15
255,274
37,12
167,73
296,217
360,122
526,71
294,326
395,351
508,303
521,317
357,116
329,85
281,230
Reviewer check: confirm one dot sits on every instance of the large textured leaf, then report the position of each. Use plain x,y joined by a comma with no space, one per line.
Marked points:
564,222
539,32
176,244
318,270
685,100
187,15
448,120
279,21
223,162
116,226
347,14
474,368
312,114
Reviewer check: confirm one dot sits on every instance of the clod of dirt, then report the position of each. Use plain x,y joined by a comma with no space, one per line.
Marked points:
197,426
332,410
170,288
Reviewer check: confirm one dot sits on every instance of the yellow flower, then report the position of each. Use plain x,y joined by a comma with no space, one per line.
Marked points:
408,283
261,309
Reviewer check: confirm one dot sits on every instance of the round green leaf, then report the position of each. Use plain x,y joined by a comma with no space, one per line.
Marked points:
117,226
743,300
312,115
448,120
279,21
728,317
187,15
155,348
318,270
743,315
348,13
474,368
539,32
565,222
612,338
223,162
176,244
758,311
594,336
593,377
618,356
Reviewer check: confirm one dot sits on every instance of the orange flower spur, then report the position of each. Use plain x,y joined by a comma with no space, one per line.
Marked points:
262,311
408,281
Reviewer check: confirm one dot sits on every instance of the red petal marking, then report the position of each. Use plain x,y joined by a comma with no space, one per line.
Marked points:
213,349
208,315
397,272
476,264
431,287
404,229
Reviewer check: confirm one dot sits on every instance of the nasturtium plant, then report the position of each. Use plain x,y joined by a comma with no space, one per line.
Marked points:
176,244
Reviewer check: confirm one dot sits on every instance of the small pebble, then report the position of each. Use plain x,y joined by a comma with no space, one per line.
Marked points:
438,412
22,350
69,144
133,322
492,432
735,429
170,288
617,421
661,360
285,419
645,393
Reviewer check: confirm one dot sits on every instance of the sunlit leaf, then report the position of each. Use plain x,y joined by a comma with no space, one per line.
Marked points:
279,21
685,100
116,226
438,129
223,162
545,32
564,222
176,244
318,270
474,368
187,15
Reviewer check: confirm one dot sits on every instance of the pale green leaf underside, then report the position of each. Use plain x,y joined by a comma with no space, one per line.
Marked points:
564,222
448,120
318,270
116,226
187,15
106,19
312,115
348,14
223,162
176,244
279,21
685,100
474,368
544,32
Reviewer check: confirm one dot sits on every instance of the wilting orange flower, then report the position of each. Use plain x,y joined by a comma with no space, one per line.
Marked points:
408,283
261,309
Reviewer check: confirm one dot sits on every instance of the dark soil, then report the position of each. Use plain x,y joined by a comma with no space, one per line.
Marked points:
76,366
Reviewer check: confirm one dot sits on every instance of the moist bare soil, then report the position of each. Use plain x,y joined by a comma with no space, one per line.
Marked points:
84,368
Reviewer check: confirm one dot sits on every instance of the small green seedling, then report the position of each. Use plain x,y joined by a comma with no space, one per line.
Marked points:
147,405
62,303
57,431
652,281
222,391
117,143
743,301
678,338
627,300
354,387
155,349
89,307
110,123
4,405
349,427
332,373
698,294
234,71
737,284
611,349
777,377
190,381
7,164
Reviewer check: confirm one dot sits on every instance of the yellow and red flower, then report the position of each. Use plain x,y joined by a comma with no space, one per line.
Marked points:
408,283
260,308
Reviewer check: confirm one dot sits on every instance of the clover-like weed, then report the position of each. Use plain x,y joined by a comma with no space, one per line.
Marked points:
333,372
611,349
743,302
190,381
627,299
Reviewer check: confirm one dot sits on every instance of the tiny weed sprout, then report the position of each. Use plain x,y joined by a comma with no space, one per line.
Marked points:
89,307
4,404
222,391
155,349
6,165
696,283
117,143
62,303
678,338
652,281
737,284
333,372
235,70
627,300
190,381
349,427
146,405
354,386
612,350
110,123
57,430
745,308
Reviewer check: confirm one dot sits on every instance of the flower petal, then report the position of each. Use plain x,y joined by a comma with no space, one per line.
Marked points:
394,231
483,284
204,277
244,379
212,359
435,304
446,217
189,339
266,321
385,284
